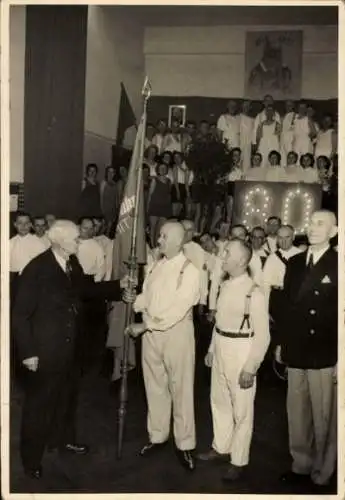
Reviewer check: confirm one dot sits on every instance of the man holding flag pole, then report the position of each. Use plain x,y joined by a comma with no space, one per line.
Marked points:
129,250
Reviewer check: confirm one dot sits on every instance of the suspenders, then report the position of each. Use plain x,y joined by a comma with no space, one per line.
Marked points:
180,276
246,315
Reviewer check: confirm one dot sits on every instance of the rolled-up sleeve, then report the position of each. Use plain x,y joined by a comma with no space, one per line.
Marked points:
259,319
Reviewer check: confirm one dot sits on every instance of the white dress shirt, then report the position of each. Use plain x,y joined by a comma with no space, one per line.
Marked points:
22,250
317,254
270,244
274,269
229,125
310,175
256,174
229,316
107,246
60,260
261,117
168,297
91,258
197,255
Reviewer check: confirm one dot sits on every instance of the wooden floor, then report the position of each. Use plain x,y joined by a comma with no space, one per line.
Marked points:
101,472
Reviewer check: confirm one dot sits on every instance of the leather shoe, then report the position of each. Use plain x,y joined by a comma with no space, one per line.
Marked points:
34,473
77,449
213,456
186,458
233,473
151,448
293,478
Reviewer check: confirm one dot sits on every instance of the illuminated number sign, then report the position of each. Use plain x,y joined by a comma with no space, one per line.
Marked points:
255,202
257,206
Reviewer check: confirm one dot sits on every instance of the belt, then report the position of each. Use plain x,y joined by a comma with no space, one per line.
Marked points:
235,335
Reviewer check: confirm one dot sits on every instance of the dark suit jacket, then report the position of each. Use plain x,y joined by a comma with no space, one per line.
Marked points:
309,323
47,310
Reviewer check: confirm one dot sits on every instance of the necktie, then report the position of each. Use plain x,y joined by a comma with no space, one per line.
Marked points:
69,269
310,262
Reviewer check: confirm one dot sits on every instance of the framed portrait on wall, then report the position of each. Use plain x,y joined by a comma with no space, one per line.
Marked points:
273,64
177,112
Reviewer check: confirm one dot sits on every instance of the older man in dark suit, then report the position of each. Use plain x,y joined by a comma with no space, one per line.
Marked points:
309,343
46,325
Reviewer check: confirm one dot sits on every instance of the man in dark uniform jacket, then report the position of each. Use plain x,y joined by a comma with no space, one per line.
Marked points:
309,344
46,324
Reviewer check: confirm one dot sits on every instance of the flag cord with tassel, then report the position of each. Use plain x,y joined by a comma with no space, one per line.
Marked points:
133,273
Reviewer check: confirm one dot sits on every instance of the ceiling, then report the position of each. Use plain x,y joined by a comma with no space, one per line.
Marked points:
231,15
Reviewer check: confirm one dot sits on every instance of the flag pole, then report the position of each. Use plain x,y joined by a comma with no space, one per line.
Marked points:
132,268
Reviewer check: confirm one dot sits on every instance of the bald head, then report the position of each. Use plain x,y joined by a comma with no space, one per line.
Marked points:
238,256
171,238
64,235
322,228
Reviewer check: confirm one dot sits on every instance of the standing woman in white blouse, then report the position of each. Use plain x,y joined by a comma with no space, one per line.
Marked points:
326,139
246,135
268,135
305,131
287,136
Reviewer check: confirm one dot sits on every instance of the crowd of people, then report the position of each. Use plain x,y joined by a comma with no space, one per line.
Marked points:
255,288
292,148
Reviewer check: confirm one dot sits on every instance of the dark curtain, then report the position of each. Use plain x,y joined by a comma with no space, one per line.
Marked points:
54,108
210,108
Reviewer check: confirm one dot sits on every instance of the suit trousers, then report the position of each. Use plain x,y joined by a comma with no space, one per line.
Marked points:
168,360
312,421
232,407
49,413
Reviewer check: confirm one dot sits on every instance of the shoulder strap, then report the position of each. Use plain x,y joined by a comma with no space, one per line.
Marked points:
183,268
246,315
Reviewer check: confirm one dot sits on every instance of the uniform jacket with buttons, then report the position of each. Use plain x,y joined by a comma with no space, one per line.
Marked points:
309,326
46,313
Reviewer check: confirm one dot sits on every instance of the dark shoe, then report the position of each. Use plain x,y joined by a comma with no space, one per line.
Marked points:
151,448
34,473
213,456
233,473
77,449
293,478
186,459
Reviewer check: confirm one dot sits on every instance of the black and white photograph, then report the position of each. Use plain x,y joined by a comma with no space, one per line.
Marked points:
171,309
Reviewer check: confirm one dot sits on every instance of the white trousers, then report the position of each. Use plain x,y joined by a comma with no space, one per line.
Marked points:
232,407
312,420
168,360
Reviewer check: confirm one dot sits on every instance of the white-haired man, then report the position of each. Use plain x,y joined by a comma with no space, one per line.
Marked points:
45,326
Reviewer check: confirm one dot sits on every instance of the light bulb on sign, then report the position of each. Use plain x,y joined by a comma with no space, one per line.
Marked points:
307,202
257,201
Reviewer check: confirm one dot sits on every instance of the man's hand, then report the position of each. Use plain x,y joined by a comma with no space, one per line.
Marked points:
129,296
246,380
209,359
211,316
31,363
135,329
126,281
278,354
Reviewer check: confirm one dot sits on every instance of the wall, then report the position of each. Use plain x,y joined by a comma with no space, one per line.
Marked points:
209,61
17,71
114,55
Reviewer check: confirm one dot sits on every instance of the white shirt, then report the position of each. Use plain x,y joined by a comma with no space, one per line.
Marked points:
317,254
164,303
275,174
45,240
23,249
230,312
274,269
261,117
91,258
256,267
293,173
230,126
157,140
235,175
310,175
197,255
256,174
107,246
270,244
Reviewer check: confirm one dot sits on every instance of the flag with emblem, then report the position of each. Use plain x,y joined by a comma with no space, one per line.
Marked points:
126,220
